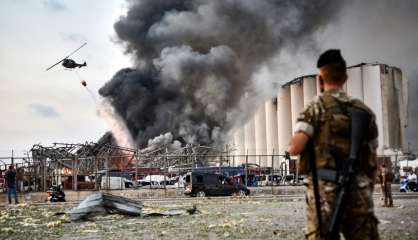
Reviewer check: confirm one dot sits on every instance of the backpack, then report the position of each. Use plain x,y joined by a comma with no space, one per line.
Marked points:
332,131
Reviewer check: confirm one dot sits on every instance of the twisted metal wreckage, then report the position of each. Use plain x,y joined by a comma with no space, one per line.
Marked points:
91,158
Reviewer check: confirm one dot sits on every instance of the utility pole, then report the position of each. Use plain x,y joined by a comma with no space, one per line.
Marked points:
271,170
165,172
246,169
136,168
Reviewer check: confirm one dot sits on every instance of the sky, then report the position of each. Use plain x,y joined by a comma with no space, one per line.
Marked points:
41,106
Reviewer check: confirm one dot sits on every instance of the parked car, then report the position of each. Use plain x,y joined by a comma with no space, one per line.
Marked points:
211,184
115,183
156,181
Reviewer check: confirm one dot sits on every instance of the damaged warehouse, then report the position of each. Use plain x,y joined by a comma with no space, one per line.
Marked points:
86,166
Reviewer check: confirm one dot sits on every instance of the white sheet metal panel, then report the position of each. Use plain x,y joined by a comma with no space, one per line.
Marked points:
296,102
284,118
373,98
271,128
239,141
260,135
355,82
309,90
250,140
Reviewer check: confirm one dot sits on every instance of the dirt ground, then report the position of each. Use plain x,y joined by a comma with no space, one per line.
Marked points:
218,219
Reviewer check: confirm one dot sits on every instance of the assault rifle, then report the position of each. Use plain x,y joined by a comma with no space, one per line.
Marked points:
359,127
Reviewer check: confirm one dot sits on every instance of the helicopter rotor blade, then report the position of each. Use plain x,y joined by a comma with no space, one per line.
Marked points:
67,56
84,44
56,64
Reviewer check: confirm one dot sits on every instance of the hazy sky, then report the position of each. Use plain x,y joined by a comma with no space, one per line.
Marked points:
46,107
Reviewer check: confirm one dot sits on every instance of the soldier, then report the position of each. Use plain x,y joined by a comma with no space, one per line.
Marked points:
325,125
386,177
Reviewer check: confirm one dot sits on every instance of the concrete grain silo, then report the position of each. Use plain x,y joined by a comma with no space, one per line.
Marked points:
383,88
260,135
239,142
271,128
296,100
284,118
309,89
249,137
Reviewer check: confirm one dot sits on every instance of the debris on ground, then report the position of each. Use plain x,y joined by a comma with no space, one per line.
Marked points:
172,212
103,203
216,220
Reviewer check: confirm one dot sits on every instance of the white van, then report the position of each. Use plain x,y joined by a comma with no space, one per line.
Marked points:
114,183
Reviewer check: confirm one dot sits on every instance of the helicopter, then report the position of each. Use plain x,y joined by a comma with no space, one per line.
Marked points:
69,63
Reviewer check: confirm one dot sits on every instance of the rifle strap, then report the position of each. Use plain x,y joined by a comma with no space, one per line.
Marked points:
316,195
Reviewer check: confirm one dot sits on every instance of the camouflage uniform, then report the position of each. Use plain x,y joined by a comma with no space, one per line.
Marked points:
326,122
386,177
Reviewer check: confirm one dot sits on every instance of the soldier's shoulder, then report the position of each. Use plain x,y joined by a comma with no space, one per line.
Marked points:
315,107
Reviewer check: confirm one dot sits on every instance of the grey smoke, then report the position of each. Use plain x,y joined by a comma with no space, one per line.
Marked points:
383,31
163,140
196,59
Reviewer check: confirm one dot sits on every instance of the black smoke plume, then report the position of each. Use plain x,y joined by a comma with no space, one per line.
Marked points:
195,60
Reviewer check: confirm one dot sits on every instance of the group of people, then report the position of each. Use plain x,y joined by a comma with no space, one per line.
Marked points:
412,181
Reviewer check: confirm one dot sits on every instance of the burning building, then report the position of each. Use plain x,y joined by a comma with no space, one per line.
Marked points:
195,60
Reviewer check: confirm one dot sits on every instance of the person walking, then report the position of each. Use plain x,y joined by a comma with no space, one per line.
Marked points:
386,178
10,177
322,129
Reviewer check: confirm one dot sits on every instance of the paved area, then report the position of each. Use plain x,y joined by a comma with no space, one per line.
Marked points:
219,218
146,193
